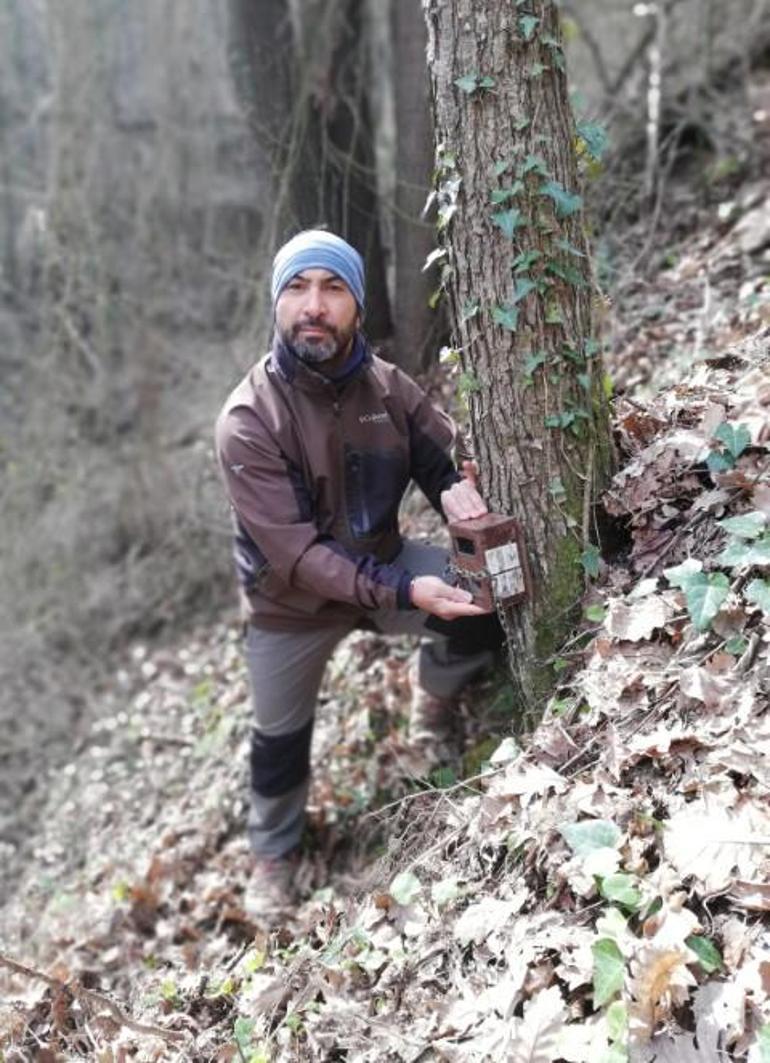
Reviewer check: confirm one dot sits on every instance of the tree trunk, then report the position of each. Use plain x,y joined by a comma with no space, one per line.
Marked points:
302,82
349,179
261,52
520,284
416,326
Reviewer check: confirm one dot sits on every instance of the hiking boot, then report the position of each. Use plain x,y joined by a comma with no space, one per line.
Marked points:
271,891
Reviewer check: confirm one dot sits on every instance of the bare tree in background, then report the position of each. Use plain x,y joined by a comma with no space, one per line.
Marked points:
416,325
305,84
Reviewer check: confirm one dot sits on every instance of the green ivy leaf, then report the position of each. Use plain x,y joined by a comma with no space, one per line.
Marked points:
468,384
468,82
589,835
528,24
681,575
589,559
735,437
469,309
523,261
567,273
609,971
405,888
486,82
570,249
243,1029
621,890
559,420
584,379
506,316
704,596
716,462
533,164
595,137
502,195
168,990
738,552
508,221
524,285
746,526
760,551
566,202
758,592
617,1020
537,69
533,360
553,315
737,645
445,891
709,956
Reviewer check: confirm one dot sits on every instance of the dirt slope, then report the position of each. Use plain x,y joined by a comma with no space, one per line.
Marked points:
600,893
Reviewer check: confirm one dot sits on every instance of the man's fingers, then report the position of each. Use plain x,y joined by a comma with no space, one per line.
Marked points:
456,594
454,610
471,472
463,502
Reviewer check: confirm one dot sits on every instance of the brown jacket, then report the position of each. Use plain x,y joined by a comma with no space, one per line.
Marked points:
315,471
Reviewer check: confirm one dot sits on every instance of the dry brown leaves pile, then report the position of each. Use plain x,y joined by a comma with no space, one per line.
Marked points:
601,894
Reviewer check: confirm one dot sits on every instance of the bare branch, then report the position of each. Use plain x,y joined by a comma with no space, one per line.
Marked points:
89,996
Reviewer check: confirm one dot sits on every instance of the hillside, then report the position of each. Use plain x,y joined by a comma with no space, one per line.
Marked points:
597,890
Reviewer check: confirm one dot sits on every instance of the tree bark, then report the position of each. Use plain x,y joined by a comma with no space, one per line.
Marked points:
416,326
520,286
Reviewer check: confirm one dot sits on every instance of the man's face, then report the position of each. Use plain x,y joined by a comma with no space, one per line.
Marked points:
317,315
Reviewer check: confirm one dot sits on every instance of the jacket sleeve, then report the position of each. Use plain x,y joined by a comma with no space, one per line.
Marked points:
274,506
432,436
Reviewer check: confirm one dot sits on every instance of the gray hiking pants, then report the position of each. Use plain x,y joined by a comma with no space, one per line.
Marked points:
285,673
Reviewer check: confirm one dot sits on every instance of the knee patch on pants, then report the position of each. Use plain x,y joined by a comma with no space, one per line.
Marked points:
280,762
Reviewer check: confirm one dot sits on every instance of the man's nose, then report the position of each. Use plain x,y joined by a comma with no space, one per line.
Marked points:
315,305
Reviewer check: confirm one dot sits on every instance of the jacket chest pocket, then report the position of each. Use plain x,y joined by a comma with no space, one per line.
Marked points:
375,481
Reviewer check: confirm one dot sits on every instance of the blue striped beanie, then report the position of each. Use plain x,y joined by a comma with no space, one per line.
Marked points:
318,249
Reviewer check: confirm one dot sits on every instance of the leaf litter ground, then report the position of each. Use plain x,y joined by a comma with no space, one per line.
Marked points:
597,891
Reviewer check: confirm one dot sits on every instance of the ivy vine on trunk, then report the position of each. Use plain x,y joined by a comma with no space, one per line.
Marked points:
520,284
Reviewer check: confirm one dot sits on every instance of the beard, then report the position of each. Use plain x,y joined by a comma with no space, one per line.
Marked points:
324,348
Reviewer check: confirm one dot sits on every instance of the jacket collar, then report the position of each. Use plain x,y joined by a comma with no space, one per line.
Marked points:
296,372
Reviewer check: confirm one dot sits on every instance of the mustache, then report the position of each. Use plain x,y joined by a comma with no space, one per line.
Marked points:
313,323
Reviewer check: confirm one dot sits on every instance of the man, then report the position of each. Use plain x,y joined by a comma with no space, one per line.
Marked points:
317,446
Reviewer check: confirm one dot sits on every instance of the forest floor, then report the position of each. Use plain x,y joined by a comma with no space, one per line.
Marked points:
598,890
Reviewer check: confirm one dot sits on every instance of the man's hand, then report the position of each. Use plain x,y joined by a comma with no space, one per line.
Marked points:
462,501
432,595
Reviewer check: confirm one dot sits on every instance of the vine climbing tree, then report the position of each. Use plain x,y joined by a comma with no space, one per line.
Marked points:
516,267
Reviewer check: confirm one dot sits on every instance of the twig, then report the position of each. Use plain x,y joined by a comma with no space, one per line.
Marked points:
434,790
91,997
